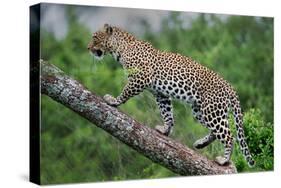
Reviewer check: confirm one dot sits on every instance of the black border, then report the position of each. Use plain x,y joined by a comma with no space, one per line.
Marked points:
34,95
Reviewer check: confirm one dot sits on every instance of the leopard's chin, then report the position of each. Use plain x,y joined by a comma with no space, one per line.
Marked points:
98,57
97,54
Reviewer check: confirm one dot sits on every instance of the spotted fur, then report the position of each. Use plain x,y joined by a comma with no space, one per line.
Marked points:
170,75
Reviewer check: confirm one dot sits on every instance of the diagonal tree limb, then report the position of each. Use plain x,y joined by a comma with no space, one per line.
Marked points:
148,142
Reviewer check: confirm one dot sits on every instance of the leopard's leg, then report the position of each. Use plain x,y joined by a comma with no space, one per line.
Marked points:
166,109
223,134
197,113
217,121
132,88
206,140
228,147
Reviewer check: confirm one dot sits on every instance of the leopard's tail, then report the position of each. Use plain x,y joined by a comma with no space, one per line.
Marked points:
238,117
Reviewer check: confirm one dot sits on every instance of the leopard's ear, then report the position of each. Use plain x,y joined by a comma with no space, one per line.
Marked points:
108,29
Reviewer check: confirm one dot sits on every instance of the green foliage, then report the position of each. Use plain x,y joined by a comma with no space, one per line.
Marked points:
239,48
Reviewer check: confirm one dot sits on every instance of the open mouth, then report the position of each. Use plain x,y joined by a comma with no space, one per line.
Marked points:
98,54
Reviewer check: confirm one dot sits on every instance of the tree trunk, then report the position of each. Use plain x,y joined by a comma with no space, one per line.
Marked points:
147,141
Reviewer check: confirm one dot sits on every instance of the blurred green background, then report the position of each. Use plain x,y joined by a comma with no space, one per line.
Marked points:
240,48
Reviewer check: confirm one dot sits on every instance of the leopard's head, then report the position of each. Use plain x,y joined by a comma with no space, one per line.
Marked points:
98,46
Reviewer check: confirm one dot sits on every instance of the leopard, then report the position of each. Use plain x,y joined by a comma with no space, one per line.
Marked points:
169,76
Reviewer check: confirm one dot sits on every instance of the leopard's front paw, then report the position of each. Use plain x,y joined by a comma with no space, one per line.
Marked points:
165,130
110,100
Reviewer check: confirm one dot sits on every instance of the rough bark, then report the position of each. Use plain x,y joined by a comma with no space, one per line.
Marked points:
148,142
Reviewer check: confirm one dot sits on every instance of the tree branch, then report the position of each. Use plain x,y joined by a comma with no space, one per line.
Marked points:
148,142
